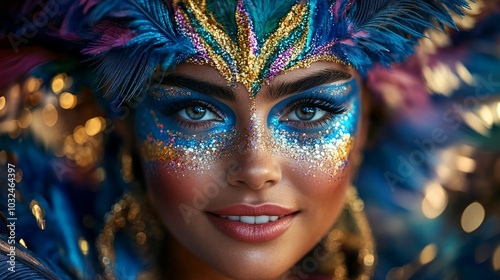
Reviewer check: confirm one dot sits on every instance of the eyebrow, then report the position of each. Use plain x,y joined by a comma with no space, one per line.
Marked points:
275,91
319,78
206,88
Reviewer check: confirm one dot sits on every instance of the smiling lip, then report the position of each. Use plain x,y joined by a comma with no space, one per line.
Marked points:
236,221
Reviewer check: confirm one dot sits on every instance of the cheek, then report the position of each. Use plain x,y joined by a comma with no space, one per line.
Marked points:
324,194
167,149
169,194
326,152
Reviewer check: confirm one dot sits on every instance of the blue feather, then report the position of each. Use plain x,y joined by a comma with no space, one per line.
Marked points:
26,266
129,68
386,30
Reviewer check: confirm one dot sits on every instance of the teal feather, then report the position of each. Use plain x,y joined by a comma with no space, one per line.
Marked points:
224,12
266,15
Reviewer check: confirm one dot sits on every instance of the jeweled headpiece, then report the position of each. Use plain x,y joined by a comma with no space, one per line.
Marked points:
249,41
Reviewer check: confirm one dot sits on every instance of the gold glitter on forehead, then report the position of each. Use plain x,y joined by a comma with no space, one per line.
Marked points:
247,59
306,63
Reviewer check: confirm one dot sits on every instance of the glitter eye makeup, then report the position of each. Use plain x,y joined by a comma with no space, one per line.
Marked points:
182,129
317,127
186,130
187,111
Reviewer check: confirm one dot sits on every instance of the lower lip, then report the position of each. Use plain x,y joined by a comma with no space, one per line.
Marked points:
252,233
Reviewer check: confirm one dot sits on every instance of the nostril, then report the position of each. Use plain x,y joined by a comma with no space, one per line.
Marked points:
256,174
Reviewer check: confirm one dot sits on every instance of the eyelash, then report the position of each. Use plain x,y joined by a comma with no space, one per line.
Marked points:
332,108
173,108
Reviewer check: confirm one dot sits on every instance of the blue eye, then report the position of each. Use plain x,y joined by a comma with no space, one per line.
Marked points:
193,114
311,113
198,113
189,112
306,113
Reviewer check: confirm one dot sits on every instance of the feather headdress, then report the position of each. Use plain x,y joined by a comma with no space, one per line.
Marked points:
248,41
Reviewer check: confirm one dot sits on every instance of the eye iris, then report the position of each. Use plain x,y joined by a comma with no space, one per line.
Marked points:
196,112
305,113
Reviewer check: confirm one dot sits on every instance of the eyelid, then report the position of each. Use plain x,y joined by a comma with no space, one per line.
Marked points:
163,93
175,107
329,106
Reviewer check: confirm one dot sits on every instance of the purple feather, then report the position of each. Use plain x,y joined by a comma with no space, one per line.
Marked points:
112,35
18,65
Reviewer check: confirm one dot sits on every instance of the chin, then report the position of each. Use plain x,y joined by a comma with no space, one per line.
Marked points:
257,272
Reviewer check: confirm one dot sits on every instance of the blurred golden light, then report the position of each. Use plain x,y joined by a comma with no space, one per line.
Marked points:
15,91
498,110
496,258
476,123
472,217
2,102
93,126
79,134
58,83
140,238
15,130
486,115
369,260
68,100
100,174
25,118
21,241
35,97
443,171
32,84
441,79
435,200
49,115
37,211
465,164
428,254
396,273
84,245
69,146
464,73
19,175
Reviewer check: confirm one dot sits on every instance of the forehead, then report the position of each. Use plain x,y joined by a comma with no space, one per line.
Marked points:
246,43
209,81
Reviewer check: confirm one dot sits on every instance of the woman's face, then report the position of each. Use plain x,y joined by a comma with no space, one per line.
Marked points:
250,184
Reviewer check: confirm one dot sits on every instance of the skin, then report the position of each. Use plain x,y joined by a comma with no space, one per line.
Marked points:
252,174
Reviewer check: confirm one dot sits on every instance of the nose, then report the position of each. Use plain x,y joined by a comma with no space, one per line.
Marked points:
255,169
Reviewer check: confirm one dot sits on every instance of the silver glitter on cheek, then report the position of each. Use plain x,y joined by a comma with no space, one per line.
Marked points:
178,152
326,151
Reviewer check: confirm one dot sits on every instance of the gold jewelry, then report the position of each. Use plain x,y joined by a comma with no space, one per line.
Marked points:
350,241
134,217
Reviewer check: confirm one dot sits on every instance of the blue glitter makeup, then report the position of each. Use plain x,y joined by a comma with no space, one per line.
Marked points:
316,128
184,144
324,144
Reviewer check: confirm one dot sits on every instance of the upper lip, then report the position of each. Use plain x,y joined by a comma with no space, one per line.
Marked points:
253,210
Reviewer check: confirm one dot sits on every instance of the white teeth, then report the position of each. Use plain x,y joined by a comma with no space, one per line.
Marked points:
261,219
247,219
252,219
